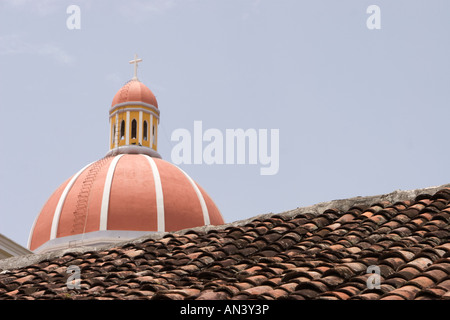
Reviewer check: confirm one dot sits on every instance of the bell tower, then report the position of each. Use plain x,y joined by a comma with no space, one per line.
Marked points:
134,119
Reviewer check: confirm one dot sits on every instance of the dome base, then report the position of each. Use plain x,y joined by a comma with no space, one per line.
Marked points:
134,150
92,239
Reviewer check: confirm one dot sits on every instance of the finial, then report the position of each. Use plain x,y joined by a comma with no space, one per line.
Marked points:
135,61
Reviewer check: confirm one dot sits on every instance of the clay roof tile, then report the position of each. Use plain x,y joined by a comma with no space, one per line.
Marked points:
320,254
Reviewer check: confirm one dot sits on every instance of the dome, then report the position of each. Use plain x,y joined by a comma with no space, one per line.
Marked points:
118,198
134,91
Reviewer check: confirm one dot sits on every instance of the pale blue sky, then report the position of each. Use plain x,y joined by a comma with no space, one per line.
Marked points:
360,112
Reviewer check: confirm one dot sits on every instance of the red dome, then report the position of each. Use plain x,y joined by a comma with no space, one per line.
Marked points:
134,90
130,192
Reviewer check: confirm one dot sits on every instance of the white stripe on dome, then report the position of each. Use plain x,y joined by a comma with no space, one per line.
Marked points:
200,198
32,231
159,195
106,192
62,199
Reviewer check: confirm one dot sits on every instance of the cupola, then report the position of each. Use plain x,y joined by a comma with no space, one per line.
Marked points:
129,193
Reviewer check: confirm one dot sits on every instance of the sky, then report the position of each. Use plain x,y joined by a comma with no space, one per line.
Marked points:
359,111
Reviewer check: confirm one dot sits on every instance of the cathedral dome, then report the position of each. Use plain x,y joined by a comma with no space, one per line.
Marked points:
130,192
121,197
134,91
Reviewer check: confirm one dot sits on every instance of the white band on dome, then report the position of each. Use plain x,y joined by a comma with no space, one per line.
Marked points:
200,198
62,199
159,195
107,192
30,236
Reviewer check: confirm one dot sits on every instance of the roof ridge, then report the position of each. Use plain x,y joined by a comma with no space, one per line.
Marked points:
340,204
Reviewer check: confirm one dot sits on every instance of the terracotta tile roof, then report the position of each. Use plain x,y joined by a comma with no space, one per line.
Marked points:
318,252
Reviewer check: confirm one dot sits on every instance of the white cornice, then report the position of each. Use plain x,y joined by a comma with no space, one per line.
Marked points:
135,103
134,109
12,248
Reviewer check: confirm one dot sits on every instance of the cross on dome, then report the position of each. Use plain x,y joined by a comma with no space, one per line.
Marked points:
135,62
